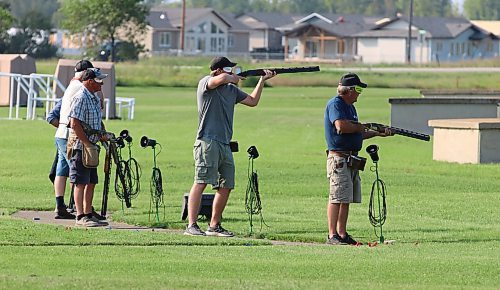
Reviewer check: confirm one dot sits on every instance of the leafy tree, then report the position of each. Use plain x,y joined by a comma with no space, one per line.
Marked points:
105,19
482,9
34,13
5,23
439,8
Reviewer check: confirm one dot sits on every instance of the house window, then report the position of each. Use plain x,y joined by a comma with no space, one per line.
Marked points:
311,49
457,48
451,48
230,41
213,44
202,28
489,45
164,39
222,44
341,46
439,46
201,44
213,28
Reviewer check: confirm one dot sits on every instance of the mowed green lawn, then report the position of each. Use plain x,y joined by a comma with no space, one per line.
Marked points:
443,216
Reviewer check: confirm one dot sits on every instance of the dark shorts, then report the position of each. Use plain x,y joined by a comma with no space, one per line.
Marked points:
78,174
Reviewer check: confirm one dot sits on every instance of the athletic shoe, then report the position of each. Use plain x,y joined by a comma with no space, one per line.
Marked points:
97,216
101,223
335,240
194,230
349,240
219,231
86,222
63,214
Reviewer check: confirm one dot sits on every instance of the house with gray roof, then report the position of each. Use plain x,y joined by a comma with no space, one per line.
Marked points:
206,32
264,35
325,37
434,39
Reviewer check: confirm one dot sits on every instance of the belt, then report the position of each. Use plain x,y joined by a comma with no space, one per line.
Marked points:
342,153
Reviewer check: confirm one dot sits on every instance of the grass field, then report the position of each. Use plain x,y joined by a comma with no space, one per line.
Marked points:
443,216
186,71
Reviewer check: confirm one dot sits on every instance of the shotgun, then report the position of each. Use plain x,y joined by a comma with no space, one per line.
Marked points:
260,72
407,133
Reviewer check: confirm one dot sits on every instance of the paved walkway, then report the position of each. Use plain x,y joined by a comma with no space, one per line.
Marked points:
47,217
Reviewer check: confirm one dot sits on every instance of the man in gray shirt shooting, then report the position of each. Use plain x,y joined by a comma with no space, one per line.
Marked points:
217,95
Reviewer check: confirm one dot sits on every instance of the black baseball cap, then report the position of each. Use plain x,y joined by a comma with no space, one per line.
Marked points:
220,62
83,65
351,80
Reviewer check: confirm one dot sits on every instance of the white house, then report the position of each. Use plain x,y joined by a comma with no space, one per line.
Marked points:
433,39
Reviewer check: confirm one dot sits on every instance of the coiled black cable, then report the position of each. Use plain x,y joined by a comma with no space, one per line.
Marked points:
133,173
377,210
156,189
253,203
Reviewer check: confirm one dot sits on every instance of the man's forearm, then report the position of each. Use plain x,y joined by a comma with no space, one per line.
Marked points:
257,91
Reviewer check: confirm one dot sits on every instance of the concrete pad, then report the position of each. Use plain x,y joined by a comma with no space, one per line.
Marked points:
47,217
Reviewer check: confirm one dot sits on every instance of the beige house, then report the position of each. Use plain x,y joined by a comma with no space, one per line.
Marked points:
325,37
207,32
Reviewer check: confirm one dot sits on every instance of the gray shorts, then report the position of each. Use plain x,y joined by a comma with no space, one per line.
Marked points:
214,163
345,183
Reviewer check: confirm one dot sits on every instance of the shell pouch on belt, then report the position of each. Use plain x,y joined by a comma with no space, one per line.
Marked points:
356,162
90,156
69,145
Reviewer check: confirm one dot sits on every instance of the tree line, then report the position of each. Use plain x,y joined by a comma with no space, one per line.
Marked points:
102,19
473,9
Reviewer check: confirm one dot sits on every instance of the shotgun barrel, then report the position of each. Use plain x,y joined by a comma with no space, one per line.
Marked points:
260,72
399,131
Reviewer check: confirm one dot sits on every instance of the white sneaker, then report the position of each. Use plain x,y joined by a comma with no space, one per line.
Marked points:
86,222
99,222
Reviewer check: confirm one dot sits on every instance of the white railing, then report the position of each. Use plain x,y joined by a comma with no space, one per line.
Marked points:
42,88
18,84
37,87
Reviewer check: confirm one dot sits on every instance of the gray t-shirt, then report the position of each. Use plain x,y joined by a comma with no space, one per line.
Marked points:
216,110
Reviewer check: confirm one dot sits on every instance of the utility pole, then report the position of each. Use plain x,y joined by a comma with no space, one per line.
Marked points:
408,44
183,20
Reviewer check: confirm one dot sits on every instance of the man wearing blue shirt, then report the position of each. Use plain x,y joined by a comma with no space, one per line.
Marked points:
344,138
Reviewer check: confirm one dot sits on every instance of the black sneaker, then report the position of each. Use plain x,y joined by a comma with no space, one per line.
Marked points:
219,231
97,216
349,240
335,240
63,214
194,230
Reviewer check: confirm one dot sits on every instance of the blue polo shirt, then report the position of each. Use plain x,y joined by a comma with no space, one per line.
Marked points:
337,109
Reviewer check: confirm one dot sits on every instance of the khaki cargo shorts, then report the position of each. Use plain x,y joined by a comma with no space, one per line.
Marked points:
214,164
345,183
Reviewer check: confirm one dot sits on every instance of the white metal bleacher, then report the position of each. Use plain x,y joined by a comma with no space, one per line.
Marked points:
42,88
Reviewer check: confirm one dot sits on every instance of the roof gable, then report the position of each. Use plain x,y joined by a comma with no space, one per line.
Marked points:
174,16
338,25
269,20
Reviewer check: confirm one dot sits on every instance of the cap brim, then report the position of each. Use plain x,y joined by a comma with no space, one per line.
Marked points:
232,64
363,85
101,76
